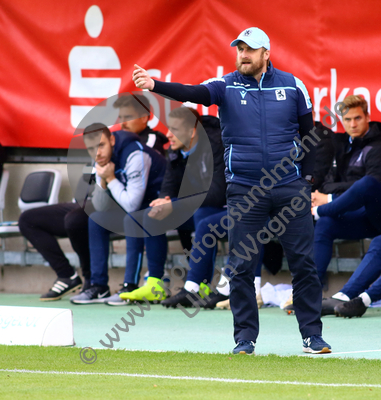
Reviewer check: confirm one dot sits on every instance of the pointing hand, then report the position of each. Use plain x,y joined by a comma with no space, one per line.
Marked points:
142,79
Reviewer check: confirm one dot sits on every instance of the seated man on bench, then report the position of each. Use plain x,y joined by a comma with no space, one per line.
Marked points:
194,167
128,177
344,201
42,225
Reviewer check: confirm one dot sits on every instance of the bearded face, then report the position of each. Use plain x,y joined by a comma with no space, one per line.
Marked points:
250,62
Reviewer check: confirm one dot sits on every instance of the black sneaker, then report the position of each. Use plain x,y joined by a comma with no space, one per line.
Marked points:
61,287
184,298
328,306
352,308
244,347
95,294
289,310
316,345
214,299
115,300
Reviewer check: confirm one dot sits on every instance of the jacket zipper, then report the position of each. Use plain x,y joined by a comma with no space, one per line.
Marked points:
263,124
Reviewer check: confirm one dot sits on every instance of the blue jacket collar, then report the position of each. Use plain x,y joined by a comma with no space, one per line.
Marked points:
267,76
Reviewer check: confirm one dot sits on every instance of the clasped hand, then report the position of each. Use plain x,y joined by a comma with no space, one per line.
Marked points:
161,208
318,199
106,173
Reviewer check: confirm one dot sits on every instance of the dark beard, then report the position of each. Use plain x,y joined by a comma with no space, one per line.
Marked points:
253,70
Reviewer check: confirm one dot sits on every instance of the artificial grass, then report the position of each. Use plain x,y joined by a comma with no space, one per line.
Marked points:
268,368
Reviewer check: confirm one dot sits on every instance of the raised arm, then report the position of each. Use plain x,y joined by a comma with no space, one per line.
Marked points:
198,94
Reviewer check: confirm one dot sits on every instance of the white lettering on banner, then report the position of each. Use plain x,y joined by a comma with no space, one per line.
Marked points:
320,93
362,91
378,100
92,58
220,71
94,21
335,100
153,73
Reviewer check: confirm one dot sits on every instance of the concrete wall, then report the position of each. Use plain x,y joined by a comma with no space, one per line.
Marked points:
38,279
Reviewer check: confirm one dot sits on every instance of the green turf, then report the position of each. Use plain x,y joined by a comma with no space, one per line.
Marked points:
270,368
211,331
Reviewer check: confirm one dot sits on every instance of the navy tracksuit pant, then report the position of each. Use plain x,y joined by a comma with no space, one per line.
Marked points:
355,214
289,209
156,246
367,277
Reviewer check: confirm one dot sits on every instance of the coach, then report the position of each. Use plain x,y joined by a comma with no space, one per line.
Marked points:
265,118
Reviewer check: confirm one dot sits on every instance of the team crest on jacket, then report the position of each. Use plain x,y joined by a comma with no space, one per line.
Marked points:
280,94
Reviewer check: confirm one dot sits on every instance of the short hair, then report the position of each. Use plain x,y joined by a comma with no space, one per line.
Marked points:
354,101
189,115
139,102
93,130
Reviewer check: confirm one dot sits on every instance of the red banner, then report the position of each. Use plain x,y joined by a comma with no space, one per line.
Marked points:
59,59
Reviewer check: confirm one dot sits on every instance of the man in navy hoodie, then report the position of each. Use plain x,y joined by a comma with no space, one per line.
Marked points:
347,205
134,114
266,118
128,178
42,225
193,186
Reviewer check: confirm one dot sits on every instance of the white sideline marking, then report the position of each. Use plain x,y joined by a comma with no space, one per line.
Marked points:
343,352
192,378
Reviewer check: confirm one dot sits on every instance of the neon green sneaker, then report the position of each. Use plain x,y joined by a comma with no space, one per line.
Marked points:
151,291
204,290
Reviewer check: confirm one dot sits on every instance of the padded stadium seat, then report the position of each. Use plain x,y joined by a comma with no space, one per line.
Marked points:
41,188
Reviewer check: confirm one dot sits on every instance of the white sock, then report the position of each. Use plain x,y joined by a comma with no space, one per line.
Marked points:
341,296
223,286
365,299
315,213
191,286
257,284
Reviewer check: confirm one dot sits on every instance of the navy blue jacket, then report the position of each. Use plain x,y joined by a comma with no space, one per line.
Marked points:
127,143
204,171
355,159
259,123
